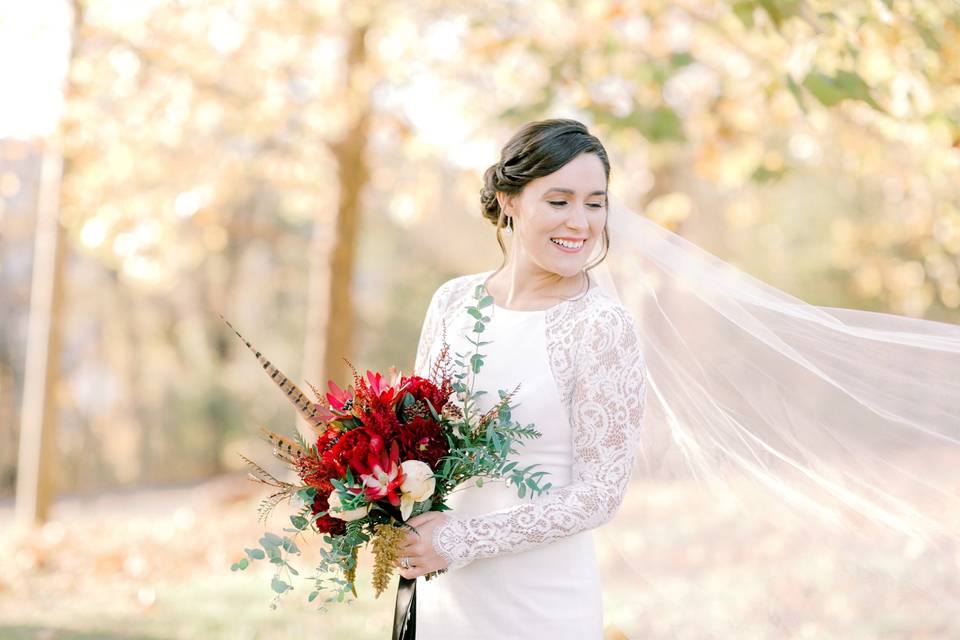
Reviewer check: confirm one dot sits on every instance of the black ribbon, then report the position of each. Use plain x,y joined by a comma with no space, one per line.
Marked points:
405,613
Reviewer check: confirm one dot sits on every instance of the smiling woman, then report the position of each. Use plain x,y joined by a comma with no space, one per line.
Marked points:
549,190
526,568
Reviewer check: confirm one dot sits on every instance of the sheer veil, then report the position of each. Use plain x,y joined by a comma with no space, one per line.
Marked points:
790,434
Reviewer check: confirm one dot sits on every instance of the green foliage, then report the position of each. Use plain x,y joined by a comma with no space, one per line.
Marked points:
776,10
658,124
845,85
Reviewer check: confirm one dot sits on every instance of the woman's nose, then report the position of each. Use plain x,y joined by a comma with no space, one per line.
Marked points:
577,219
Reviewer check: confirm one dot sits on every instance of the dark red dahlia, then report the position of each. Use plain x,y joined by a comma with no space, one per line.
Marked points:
421,439
421,388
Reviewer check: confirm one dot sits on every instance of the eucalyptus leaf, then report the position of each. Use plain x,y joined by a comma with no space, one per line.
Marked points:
279,585
270,540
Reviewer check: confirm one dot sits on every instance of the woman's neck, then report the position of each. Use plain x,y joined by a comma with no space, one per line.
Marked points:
521,288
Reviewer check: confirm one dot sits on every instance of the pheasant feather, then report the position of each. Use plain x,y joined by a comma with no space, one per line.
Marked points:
284,448
310,411
263,476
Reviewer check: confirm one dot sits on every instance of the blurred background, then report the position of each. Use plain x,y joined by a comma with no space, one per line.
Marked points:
311,170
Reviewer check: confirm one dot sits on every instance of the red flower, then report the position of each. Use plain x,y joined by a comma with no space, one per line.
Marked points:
380,388
382,475
341,400
421,439
382,419
423,389
326,523
328,438
353,449
317,472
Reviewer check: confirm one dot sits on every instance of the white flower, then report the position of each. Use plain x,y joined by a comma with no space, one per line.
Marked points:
336,509
418,485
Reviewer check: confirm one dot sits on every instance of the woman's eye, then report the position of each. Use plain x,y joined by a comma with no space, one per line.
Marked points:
557,203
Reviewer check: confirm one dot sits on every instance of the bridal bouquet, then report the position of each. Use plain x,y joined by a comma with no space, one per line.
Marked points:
386,449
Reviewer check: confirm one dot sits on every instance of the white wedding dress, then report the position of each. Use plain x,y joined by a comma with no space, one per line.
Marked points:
521,567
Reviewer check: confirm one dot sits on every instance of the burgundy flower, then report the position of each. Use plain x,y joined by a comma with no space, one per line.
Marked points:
353,448
423,389
326,523
421,439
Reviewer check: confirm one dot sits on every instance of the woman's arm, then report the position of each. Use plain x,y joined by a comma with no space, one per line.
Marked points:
429,329
606,416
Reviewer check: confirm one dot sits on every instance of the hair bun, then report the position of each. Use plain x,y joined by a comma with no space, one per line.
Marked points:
489,205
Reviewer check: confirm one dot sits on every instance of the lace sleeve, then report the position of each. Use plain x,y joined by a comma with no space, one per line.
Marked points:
606,414
429,330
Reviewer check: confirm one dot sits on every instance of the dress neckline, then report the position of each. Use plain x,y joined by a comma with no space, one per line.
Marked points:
486,276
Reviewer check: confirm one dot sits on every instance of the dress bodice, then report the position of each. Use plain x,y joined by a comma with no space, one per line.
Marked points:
582,384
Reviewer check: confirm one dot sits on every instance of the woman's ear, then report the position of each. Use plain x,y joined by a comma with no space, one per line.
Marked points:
502,200
506,203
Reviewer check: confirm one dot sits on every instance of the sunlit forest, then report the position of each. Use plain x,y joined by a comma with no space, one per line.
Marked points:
310,169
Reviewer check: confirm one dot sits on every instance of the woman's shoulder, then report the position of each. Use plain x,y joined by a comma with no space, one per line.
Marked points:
597,302
599,317
457,288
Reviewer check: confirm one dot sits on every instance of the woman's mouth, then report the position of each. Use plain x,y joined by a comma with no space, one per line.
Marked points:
569,245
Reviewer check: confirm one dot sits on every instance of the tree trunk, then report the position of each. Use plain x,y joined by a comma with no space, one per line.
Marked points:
330,308
37,453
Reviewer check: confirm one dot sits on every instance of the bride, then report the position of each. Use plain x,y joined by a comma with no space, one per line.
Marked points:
813,404
521,567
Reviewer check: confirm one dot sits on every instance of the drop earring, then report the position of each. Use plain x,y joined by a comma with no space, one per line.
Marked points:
508,227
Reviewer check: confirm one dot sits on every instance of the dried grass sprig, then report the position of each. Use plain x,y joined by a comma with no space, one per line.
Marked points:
386,549
351,574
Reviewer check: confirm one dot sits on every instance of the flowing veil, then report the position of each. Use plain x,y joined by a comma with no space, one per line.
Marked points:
818,446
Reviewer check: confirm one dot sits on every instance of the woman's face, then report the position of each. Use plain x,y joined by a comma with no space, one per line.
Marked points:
558,219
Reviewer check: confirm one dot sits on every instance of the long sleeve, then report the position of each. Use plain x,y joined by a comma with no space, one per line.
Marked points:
428,331
606,410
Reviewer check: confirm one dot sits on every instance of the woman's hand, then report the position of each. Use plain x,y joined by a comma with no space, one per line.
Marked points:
418,547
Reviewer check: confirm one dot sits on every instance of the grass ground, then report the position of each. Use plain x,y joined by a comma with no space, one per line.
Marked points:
154,564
